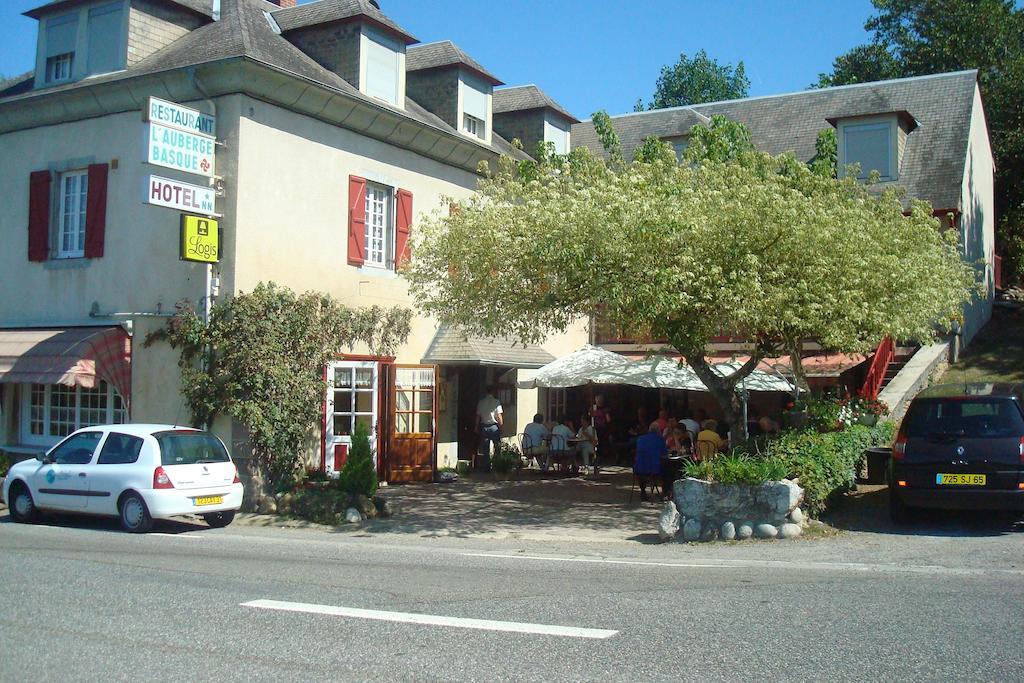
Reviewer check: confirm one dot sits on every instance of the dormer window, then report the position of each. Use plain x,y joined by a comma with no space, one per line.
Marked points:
61,41
383,67
875,142
475,98
679,145
556,132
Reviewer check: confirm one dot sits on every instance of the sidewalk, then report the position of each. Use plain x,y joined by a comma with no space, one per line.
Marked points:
532,507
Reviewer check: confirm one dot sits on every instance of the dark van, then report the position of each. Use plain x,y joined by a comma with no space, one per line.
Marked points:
960,447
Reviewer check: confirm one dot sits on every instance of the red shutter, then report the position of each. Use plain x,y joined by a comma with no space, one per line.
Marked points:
403,228
39,215
356,220
96,211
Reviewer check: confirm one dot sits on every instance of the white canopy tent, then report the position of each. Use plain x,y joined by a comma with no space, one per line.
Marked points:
593,365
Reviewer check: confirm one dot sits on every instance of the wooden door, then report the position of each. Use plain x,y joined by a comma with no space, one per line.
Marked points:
412,423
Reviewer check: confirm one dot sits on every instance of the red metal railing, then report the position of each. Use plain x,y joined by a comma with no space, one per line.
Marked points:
997,269
876,373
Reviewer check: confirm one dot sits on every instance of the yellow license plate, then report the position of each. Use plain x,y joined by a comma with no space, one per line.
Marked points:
208,500
960,479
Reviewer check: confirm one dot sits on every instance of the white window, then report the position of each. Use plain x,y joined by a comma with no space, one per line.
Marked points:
380,225
58,67
52,411
557,133
61,43
679,146
872,146
74,188
381,69
473,126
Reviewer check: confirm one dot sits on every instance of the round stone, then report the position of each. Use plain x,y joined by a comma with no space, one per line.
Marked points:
766,531
691,529
745,531
789,531
352,516
727,532
709,533
796,516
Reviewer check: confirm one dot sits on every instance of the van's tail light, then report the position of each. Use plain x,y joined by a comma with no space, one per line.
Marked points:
236,479
899,448
161,480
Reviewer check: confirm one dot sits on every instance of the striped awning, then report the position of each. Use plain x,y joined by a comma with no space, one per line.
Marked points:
72,356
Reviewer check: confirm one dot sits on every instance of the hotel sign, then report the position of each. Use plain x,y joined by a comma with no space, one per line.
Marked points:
175,194
200,239
173,148
182,118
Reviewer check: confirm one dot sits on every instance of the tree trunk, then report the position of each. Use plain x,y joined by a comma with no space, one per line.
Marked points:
795,348
724,389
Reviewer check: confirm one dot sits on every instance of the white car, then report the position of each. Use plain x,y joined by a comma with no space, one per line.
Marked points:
136,472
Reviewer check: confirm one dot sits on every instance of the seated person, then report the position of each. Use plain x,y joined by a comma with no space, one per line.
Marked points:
560,435
690,425
535,441
709,435
587,440
650,449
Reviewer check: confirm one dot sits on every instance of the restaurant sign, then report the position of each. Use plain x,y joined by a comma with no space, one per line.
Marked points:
175,194
200,239
172,148
176,116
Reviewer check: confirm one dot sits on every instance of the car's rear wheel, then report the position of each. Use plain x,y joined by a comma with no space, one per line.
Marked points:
135,517
899,513
23,508
219,519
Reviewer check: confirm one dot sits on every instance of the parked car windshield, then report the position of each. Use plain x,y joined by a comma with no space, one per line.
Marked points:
190,448
971,418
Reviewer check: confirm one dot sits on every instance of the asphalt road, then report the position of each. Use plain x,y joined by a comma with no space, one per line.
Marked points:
83,601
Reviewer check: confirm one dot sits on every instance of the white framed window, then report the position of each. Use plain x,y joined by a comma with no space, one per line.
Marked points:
556,404
871,145
380,225
52,411
558,133
58,67
381,68
473,126
74,189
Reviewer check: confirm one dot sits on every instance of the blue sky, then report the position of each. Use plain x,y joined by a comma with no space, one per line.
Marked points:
600,54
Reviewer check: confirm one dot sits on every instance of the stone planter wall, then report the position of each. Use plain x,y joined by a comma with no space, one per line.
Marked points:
704,511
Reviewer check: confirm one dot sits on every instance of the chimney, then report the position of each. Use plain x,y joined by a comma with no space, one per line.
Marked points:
282,3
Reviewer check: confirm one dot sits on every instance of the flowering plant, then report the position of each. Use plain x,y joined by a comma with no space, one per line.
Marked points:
866,406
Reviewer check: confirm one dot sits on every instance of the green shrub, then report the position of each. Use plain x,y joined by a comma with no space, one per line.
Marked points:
506,459
5,463
826,463
359,476
462,467
738,468
321,504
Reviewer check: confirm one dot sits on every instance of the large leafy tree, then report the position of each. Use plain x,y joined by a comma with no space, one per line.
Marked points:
919,37
696,80
733,239
260,360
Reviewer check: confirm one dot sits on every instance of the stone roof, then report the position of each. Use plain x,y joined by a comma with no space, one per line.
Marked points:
326,11
444,53
523,97
244,32
932,167
451,346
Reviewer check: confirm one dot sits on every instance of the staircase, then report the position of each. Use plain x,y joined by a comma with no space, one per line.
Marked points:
901,355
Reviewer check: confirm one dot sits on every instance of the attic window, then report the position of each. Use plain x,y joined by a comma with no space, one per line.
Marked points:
61,39
381,59
58,67
473,126
871,145
556,132
475,98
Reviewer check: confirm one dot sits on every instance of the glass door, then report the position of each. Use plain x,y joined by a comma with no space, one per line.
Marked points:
351,399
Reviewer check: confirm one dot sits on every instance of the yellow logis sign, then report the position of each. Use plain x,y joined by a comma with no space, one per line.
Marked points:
200,239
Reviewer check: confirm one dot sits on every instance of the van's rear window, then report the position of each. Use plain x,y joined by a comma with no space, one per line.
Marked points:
190,448
970,418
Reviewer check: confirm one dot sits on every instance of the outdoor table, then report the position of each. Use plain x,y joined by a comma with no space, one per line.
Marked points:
671,470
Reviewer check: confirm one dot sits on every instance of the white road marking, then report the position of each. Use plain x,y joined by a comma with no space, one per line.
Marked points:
433,620
190,536
771,564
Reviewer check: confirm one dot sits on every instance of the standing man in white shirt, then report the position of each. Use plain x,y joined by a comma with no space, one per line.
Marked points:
489,420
